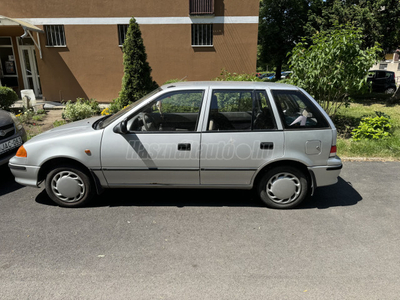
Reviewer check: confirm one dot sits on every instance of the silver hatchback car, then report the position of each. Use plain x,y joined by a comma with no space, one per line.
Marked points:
271,137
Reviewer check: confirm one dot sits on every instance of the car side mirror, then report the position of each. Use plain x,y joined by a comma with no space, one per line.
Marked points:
121,128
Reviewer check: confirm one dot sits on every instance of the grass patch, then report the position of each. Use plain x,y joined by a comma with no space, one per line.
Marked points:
349,118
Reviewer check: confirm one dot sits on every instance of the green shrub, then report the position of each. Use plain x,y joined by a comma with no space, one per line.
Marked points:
92,103
77,111
37,118
227,76
26,116
373,127
174,80
57,123
7,97
116,105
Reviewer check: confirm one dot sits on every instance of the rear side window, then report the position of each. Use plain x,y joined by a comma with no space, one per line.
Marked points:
240,110
297,111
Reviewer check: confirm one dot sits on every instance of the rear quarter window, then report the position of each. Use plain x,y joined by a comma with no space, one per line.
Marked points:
297,111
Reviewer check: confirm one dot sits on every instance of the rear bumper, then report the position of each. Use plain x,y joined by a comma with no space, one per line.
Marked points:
25,175
327,175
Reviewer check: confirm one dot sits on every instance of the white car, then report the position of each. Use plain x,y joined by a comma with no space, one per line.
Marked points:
236,135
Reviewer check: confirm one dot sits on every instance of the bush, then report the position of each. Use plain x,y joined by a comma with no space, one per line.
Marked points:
26,116
78,111
7,97
333,67
227,76
175,80
115,106
58,123
377,127
92,103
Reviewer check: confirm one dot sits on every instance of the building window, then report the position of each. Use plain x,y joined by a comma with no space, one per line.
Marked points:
201,7
202,35
383,67
55,35
122,30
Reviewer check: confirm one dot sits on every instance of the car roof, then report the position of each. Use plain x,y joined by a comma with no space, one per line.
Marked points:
380,71
229,84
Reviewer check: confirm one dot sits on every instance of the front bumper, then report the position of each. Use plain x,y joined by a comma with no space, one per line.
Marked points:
25,175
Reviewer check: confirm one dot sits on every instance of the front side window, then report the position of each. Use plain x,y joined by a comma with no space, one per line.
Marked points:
55,35
240,110
175,111
297,111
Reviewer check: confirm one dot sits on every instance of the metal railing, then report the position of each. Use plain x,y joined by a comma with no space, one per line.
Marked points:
201,7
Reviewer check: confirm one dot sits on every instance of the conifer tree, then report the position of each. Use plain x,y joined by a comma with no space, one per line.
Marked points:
137,80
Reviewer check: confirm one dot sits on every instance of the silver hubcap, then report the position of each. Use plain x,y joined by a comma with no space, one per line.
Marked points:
68,186
283,188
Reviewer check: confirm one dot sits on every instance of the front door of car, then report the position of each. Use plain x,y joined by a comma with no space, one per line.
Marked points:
161,145
239,137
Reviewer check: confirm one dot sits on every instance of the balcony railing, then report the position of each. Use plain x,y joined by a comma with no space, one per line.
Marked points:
201,7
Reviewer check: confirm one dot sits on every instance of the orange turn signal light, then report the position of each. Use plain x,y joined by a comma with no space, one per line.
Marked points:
21,152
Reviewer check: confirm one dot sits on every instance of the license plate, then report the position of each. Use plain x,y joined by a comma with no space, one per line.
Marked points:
11,144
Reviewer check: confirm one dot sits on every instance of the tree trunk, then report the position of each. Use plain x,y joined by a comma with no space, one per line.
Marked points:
278,71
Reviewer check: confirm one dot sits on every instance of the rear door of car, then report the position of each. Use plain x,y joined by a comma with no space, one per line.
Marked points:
239,136
308,135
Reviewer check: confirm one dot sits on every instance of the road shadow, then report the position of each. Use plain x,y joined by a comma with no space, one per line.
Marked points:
7,181
340,194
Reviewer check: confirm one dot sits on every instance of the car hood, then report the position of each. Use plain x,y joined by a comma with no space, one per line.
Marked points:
5,118
73,128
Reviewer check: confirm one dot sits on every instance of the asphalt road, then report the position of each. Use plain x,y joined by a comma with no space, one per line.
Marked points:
344,243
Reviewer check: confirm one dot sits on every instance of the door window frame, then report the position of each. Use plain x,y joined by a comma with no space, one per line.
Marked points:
153,101
255,97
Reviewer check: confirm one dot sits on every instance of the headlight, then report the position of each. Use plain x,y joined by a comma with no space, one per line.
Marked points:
17,123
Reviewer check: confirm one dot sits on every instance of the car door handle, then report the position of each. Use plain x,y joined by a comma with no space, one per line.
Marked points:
266,145
184,147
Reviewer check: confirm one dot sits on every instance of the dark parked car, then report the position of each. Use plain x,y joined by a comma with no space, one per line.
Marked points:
382,81
12,135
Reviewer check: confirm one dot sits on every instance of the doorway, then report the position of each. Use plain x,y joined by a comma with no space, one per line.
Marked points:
30,71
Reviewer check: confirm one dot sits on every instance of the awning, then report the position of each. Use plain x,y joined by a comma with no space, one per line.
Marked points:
5,21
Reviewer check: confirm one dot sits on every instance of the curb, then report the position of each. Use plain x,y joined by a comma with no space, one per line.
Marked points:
360,159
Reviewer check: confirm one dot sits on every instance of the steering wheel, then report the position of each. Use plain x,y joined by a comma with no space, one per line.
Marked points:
150,122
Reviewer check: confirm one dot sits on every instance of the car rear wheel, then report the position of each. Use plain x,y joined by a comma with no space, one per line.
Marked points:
283,187
69,186
390,91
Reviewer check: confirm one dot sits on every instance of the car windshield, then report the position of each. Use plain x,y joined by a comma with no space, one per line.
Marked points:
108,120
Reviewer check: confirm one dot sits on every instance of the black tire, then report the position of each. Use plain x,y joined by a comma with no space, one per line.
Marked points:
283,187
390,91
69,186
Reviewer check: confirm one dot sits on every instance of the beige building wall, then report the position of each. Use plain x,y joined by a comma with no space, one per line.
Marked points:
90,66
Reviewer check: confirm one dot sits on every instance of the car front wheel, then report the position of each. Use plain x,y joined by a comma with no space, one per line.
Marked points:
283,187
69,186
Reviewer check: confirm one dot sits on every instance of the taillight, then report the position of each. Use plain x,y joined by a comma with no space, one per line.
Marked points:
333,151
